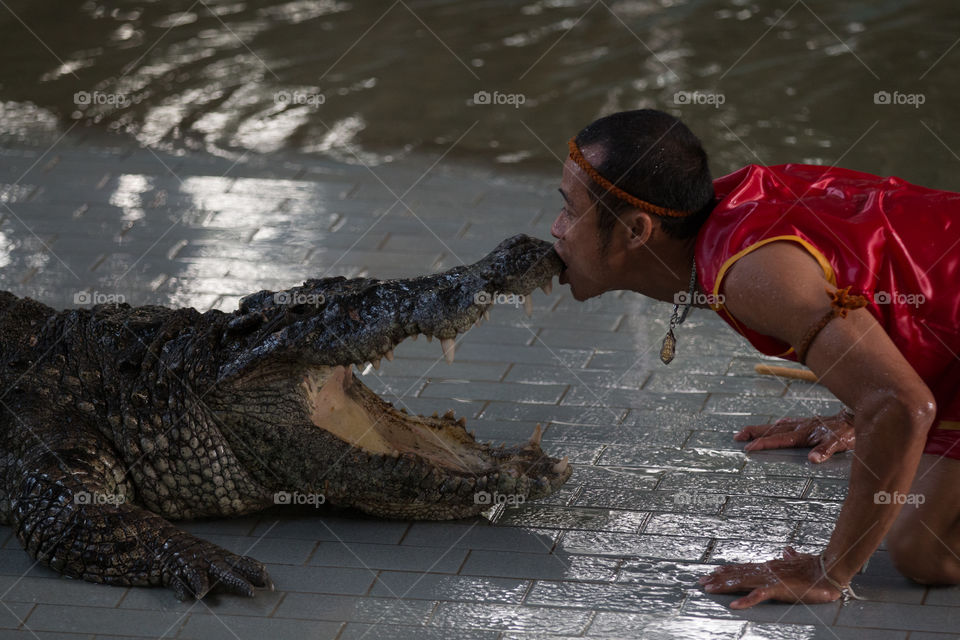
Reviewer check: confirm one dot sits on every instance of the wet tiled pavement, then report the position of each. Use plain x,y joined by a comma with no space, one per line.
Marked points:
660,491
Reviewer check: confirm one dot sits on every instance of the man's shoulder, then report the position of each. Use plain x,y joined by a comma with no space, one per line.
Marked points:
776,289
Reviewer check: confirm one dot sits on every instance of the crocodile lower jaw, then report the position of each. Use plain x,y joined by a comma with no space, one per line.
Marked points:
344,407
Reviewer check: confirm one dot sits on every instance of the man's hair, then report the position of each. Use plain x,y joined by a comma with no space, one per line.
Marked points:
655,157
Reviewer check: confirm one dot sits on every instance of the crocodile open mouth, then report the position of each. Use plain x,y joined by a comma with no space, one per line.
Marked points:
342,405
385,460
438,446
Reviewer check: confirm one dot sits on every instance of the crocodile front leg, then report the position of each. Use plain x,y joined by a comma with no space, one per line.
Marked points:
72,511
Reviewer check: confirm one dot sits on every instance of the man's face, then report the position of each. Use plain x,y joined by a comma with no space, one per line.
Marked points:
578,239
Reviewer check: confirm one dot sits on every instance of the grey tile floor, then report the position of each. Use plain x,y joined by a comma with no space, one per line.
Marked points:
616,553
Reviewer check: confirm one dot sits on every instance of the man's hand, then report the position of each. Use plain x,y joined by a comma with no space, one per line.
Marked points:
827,435
794,578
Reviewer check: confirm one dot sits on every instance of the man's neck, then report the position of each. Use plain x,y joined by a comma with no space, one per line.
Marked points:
667,271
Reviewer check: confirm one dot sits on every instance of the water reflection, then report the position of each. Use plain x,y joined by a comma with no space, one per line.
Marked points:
128,196
798,80
6,247
201,241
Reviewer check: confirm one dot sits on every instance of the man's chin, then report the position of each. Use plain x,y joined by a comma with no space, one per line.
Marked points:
579,297
579,294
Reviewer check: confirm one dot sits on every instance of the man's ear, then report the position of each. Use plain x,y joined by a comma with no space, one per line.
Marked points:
639,227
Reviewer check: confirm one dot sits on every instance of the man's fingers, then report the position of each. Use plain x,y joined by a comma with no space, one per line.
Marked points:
736,578
754,597
726,587
784,440
761,430
824,450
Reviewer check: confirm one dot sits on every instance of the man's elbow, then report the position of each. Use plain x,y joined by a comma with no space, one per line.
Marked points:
914,410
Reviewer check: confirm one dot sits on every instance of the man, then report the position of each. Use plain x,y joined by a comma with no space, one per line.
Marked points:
853,272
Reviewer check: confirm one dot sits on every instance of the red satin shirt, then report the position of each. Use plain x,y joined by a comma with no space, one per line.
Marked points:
895,242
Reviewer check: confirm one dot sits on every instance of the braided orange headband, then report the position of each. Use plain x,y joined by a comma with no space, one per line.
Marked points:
643,205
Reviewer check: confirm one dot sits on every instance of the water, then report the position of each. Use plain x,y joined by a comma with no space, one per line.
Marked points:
375,82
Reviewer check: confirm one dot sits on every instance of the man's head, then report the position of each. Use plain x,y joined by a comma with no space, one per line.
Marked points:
649,155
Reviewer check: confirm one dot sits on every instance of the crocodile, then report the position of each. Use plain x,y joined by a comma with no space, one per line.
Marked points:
118,420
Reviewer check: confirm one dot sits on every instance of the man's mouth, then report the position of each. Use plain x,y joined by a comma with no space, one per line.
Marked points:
563,271
562,277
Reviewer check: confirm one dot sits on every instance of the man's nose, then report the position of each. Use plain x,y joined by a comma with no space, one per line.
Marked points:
556,229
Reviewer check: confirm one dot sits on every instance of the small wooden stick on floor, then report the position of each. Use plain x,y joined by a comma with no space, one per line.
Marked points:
786,372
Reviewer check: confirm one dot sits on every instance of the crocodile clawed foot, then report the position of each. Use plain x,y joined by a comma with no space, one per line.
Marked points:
203,567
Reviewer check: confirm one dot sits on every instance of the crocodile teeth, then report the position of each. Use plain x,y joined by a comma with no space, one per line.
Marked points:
486,315
537,433
561,466
462,421
528,305
547,288
429,338
448,348
389,355
449,415
415,336
376,364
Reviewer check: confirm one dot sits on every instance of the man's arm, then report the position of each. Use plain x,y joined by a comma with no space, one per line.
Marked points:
779,290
